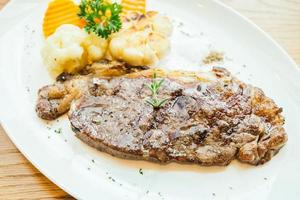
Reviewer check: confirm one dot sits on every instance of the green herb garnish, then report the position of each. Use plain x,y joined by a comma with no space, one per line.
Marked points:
154,87
101,17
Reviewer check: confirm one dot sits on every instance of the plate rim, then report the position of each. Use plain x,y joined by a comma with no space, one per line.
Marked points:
8,8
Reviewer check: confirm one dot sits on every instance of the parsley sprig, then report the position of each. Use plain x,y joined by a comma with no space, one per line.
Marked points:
154,87
101,17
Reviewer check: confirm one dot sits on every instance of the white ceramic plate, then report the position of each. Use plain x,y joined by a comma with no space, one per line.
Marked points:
88,174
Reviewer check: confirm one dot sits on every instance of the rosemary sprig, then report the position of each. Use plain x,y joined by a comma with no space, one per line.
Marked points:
154,87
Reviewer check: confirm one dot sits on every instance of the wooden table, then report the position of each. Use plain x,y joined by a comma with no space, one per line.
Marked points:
20,180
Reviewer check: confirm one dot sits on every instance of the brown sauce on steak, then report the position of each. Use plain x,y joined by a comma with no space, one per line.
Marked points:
203,122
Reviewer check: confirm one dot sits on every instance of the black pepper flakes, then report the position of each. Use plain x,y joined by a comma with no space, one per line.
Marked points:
180,24
141,171
185,33
112,179
58,131
27,89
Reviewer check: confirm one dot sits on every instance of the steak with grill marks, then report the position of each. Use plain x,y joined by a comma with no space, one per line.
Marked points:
209,119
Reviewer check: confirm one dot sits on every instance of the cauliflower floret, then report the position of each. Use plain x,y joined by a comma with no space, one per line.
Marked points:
143,39
70,48
95,47
63,51
162,25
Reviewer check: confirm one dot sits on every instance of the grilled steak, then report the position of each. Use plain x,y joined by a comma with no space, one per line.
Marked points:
209,119
55,100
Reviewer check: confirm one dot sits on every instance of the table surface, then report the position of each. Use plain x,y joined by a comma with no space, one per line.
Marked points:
20,180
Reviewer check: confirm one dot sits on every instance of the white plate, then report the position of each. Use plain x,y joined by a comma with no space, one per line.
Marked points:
88,174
